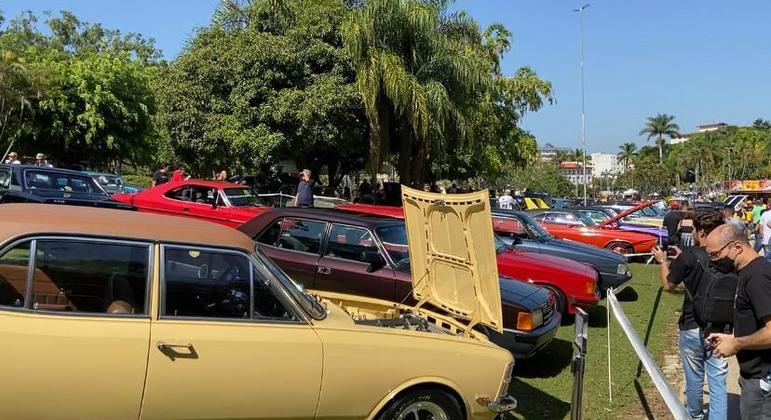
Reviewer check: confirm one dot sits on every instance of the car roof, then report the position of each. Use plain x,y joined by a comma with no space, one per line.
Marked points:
92,173
35,219
255,225
206,183
44,169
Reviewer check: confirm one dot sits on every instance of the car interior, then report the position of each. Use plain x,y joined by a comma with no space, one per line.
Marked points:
350,243
194,194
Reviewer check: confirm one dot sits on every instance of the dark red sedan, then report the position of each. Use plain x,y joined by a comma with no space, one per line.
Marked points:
219,202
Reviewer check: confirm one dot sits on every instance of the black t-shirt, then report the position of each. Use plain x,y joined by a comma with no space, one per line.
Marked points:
687,270
753,303
160,177
671,220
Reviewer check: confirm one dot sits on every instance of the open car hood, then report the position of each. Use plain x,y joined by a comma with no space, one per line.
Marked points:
627,212
452,255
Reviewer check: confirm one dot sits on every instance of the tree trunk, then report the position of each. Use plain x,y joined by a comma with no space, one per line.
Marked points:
418,163
405,154
661,149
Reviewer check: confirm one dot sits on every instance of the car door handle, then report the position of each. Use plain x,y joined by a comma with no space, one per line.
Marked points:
172,351
324,270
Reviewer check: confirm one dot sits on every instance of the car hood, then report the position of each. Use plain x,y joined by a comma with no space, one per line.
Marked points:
523,294
452,254
586,252
627,212
534,266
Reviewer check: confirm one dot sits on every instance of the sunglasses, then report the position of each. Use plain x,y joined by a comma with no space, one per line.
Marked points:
715,254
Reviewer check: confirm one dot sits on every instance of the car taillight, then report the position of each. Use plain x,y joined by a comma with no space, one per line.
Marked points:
525,321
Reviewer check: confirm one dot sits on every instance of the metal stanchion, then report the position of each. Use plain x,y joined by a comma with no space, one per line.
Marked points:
579,362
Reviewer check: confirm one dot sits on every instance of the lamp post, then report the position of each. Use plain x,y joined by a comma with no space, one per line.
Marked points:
730,149
580,12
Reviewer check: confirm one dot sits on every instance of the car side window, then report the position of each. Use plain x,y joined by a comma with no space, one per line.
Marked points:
301,235
566,219
509,227
350,243
92,277
270,235
5,178
13,275
202,283
181,193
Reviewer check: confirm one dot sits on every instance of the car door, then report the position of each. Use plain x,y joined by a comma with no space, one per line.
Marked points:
205,203
227,342
353,263
75,325
294,244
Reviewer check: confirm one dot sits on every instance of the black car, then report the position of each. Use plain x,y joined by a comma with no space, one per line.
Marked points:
369,256
38,184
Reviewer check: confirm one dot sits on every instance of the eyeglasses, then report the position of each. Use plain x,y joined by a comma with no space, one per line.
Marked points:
715,254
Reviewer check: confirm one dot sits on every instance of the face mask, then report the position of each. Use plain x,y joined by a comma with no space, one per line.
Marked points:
724,265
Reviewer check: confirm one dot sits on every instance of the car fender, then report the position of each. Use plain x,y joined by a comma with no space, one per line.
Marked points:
421,381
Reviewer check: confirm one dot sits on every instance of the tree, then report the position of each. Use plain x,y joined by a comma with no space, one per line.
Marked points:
247,95
659,126
627,152
540,177
761,124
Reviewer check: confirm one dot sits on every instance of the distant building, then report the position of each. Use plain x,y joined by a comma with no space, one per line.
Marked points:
574,172
683,137
549,152
606,163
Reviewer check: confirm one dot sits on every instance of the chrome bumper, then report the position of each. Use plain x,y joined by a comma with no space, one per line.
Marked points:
503,405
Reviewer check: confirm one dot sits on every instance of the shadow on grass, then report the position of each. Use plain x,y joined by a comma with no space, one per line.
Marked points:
598,317
548,363
643,400
536,404
649,328
628,295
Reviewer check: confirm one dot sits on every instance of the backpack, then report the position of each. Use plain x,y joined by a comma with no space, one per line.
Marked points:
713,302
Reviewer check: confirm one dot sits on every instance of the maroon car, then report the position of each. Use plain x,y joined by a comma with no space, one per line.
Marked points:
368,256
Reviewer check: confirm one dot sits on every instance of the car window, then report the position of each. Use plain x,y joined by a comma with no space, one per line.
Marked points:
5,178
194,194
509,227
242,197
94,277
566,219
41,180
270,235
212,284
301,235
13,275
350,243
394,239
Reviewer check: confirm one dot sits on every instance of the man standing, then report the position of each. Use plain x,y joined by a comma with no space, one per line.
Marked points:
764,231
689,268
179,174
729,248
40,160
305,190
13,159
506,201
161,176
672,222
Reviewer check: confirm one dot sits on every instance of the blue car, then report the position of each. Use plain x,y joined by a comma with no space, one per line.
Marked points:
112,183
518,229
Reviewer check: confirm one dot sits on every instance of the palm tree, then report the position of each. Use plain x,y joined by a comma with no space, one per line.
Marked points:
659,126
761,124
414,69
627,153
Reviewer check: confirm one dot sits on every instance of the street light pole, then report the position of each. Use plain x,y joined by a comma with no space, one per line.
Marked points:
730,149
580,12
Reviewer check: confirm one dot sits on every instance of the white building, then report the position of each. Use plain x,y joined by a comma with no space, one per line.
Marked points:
607,163
682,138
574,172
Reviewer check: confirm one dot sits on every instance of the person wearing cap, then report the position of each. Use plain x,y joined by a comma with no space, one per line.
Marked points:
40,160
12,159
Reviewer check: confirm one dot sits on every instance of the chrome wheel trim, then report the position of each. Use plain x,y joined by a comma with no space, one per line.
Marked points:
422,410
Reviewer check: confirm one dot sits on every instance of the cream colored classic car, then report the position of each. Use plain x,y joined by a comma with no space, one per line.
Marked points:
110,314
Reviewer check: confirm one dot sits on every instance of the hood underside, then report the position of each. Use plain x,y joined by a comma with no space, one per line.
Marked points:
452,254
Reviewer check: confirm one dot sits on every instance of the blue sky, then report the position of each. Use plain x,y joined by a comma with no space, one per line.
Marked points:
702,61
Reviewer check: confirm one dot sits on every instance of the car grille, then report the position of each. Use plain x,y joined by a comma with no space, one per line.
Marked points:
548,309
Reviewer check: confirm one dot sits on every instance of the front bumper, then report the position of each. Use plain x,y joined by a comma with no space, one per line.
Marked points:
608,280
503,405
525,344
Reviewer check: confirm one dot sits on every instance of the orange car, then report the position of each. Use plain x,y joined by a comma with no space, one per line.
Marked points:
567,225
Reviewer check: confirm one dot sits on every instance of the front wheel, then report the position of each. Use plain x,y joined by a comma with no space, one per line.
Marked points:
621,248
560,300
424,404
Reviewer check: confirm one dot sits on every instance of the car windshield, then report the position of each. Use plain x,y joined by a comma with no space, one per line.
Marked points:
537,230
110,183
500,246
68,183
394,239
586,220
308,302
242,197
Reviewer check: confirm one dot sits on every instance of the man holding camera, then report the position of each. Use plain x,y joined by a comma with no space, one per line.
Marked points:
690,268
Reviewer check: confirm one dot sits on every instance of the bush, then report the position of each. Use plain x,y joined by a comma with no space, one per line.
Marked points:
138,180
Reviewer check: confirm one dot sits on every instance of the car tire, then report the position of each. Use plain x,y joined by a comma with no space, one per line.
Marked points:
619,247
560,301
423,403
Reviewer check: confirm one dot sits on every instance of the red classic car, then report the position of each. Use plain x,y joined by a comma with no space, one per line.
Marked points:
569,225
214,201
574,284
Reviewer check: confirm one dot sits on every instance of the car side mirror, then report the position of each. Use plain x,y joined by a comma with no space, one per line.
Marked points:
517,240
374,259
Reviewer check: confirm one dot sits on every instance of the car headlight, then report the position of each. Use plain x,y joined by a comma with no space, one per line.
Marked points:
528,321
622,269
591,287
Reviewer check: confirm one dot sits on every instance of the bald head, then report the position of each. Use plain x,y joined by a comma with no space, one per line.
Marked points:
729,240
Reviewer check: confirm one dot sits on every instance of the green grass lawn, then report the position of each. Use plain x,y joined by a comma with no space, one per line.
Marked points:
543,384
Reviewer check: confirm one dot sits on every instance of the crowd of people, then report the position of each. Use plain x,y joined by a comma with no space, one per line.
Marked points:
40,160
727,304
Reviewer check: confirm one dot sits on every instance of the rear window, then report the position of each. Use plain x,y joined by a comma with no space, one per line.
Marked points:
42,180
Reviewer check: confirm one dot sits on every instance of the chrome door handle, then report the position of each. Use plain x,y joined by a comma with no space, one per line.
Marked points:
171,350
324,270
